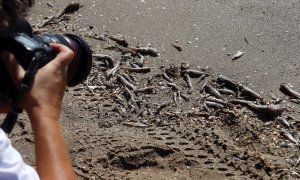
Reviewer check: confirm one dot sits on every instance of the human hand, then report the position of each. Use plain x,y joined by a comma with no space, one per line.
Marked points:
45,95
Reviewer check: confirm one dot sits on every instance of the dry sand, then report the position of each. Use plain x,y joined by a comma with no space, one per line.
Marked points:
104,144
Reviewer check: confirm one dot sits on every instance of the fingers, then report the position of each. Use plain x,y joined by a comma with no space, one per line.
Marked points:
64,54
15,70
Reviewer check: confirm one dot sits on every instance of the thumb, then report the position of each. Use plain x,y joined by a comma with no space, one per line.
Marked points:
15,70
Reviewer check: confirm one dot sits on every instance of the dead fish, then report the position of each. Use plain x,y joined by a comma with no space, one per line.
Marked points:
213,91
123,50
216,100
227,81
175,97
284,122
188,82
166,77
105,57
50,4
237,55
162,106
195,73
250,92
184,66
272,110
296,101
290,137
125,82
112,71
147,90
129,95
146,51
70,8
213,104
227,92
173,85
121,41
289,91
128,78
138,69
177,46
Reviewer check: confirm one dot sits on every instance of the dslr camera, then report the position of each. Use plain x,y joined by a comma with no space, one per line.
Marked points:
24,45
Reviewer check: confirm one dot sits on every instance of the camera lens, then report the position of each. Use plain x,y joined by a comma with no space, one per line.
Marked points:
80,67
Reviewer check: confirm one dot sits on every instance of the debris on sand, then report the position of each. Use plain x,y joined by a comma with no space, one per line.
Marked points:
238,55
270,110
289,91
69,9
177,46
120,40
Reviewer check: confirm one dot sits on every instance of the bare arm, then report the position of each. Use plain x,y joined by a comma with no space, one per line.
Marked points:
43,105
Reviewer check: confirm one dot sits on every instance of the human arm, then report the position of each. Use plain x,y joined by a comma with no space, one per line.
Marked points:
43,103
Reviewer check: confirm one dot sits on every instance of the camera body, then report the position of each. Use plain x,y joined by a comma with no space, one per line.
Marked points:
24,46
